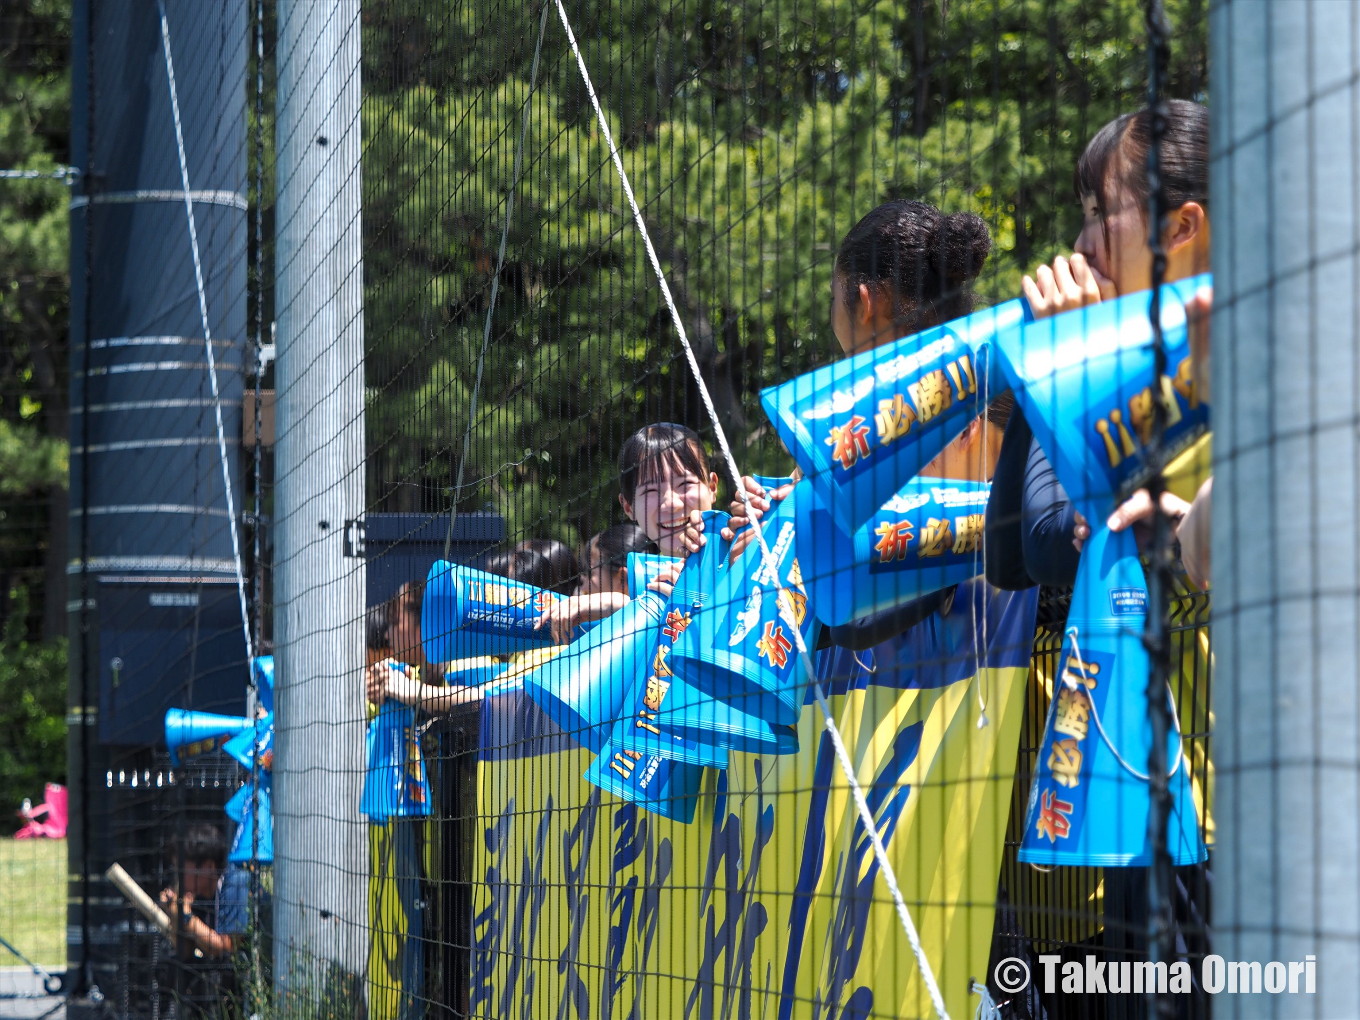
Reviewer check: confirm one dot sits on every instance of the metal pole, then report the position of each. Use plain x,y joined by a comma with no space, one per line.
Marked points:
320,841
1286,517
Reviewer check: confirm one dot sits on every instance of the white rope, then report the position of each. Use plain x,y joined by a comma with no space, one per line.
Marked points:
207,333
769,563
987,1009
1095,715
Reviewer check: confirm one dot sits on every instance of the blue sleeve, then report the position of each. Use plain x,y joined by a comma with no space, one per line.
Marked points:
1003,535
233,902
1047,522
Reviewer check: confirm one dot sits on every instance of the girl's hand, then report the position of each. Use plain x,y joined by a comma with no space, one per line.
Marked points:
564,615
1070,283
739,531
383,682
665,579
376,680
1137,507
692,538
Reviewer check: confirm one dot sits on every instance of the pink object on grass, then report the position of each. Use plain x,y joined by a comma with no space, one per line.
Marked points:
54,807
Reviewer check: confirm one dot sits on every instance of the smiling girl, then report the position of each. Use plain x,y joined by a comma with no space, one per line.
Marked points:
665,485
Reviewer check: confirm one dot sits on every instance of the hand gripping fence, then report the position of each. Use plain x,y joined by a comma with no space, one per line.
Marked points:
207,331
785,606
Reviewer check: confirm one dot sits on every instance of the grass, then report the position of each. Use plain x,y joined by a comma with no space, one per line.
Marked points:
33,900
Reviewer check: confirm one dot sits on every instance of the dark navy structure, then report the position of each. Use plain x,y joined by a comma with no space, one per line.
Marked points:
154,616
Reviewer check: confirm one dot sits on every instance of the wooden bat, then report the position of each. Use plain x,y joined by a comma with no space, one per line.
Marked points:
137,896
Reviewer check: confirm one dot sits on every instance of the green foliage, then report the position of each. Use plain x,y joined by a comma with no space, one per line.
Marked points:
35,101
30,461
35,95
32,712
755,135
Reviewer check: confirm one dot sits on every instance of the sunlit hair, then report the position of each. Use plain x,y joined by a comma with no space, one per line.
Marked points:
1116,158
922,259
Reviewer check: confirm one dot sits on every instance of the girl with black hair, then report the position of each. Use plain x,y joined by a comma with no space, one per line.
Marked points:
397,668
906,266
665,486
1033,534
542,562
604,559
604,581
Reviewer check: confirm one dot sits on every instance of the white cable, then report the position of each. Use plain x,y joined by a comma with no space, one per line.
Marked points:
1175,715
207,332
767,558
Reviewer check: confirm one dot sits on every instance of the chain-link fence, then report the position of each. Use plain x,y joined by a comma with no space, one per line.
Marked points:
605,510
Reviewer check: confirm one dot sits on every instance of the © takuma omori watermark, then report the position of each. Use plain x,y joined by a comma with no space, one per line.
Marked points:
1140,977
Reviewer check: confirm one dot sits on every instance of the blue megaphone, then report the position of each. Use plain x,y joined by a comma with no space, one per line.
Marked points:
468,612
861,427
741,648
395,783
661,785
667,715
1086,382
583,688
643,569
258,738
262,672
189,734
925,538
254,843
479,669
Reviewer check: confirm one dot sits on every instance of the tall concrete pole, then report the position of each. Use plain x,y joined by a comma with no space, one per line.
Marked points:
1286,546
320,839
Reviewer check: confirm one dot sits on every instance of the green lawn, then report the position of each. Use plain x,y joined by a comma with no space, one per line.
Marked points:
33,900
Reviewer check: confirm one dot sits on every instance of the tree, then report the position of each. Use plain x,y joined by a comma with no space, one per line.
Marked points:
34,124
32,712
35,91
755,134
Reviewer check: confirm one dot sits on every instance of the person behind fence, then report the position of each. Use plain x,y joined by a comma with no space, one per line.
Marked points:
666,485
904,267
603,590
1034,535
403,674
211,908
396,908
542,562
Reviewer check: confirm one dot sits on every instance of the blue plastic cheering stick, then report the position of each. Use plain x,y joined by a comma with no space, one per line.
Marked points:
1085,382
467,613
740,650
925,538
860,428
674,709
